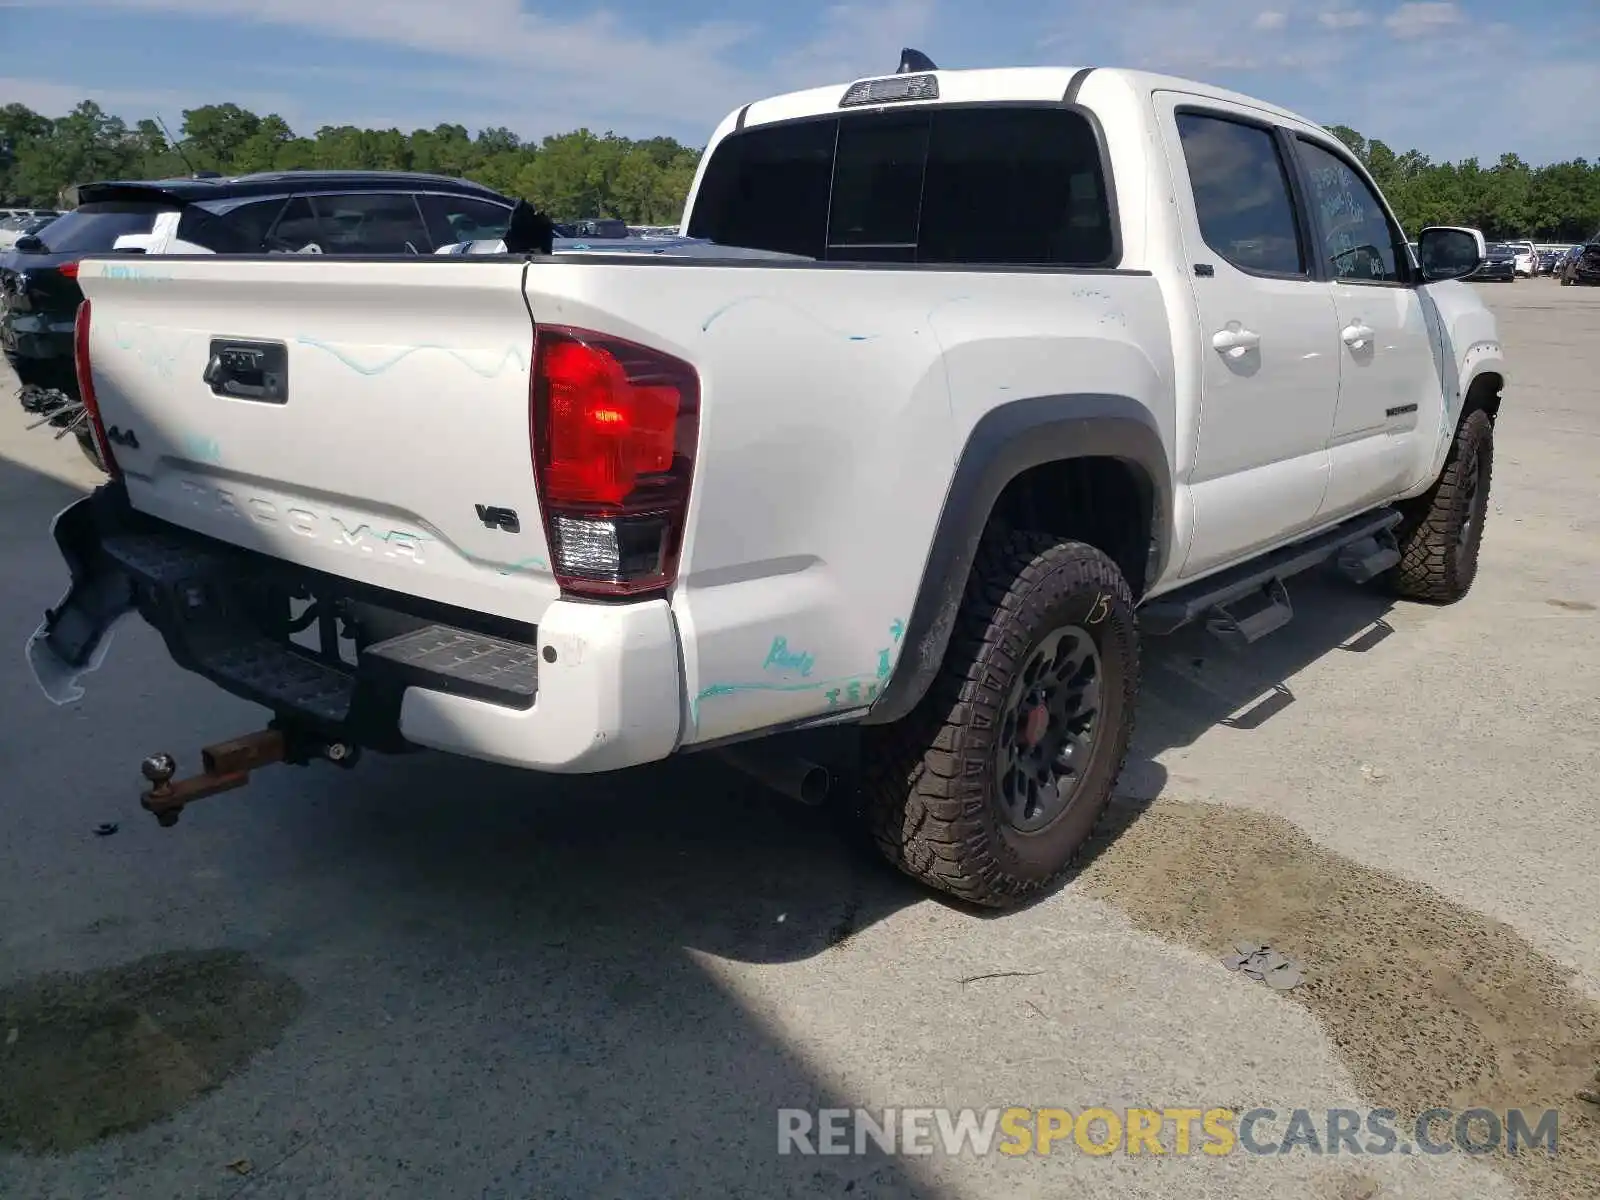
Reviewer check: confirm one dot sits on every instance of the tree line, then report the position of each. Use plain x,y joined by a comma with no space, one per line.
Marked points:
582,174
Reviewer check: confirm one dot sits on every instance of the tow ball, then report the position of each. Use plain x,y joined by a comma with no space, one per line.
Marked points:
227,765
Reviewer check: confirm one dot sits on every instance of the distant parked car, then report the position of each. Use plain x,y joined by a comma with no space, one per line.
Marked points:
283,212
1526,258
1581,264
1547,260
1499,263
20,226
600,227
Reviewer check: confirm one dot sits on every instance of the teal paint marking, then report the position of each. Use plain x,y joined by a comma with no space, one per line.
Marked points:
156,347
718,314
850,689
785,659
534,563
136,274
832,687
202,449
897,629
512,355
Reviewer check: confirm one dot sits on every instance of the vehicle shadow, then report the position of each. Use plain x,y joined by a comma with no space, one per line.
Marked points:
515,985
1193,681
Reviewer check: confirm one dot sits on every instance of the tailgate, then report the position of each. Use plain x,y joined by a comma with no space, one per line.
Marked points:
367,419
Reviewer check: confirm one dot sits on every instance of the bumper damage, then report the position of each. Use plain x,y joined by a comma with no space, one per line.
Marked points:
591,688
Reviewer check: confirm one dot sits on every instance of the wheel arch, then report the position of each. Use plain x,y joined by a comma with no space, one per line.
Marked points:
1089,466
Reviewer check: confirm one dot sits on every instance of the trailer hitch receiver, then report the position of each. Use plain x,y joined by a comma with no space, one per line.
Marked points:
227,765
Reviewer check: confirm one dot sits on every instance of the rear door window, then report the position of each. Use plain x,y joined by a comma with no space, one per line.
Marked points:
1242,197
454,219
352,223
237,228
91,228
1001,185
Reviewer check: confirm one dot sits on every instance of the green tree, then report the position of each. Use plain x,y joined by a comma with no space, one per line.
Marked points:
645,181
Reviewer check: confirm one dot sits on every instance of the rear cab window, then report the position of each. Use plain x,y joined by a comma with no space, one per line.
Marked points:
1001,185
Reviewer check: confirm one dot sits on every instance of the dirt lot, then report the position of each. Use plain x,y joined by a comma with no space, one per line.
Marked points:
432,978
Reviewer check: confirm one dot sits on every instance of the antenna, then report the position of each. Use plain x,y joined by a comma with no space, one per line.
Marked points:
176,145
915,60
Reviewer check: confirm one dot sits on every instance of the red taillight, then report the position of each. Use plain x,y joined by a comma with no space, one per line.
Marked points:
67,270
614,426
91,405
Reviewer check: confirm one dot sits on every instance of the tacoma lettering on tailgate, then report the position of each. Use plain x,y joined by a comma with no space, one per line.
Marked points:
327,528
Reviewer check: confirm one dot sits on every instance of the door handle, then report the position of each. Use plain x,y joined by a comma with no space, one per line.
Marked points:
1235,342
1356,335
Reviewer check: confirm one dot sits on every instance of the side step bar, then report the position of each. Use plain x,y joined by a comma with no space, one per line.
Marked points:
1364,546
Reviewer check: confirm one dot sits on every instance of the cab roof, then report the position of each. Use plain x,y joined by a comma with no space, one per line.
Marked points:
997,84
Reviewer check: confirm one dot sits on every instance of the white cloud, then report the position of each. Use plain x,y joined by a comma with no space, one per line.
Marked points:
597,62
1410,109
54,99
1270,20
1349,18
1420,19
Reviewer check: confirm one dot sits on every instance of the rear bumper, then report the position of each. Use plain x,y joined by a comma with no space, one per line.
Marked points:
594,687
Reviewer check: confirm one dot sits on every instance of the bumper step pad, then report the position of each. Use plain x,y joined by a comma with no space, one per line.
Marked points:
282,677
454,660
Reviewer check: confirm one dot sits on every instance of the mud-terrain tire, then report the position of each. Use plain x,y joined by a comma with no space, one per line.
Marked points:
1441,530
947,790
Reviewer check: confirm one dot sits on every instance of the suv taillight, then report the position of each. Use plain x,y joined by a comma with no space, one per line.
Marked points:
91,405
614,426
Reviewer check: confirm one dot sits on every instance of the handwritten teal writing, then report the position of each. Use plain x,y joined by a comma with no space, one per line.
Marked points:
136,274
855,692
512,356
785,659
850,690
156,347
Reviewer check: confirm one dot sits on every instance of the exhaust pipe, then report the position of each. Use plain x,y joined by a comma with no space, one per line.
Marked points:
797,778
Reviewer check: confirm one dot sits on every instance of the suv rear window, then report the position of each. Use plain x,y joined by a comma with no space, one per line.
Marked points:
999,185
94,227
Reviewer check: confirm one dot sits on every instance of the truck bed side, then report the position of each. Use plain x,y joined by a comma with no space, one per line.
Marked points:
836,402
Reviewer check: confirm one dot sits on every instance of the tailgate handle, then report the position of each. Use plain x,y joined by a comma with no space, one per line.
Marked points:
248,370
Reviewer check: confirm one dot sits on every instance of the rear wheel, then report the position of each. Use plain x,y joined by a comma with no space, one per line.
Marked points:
1442,529
991,786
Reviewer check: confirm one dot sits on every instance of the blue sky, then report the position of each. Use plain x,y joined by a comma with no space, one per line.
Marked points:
1449,78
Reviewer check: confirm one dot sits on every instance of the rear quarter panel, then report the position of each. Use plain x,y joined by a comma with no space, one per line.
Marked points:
835,402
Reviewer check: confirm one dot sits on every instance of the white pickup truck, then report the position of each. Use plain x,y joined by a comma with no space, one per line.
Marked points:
1002,368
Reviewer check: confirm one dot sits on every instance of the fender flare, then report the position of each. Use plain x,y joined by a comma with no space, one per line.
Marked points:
1005,442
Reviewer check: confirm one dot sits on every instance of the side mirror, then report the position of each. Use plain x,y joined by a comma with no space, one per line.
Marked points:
28,245
1450,252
